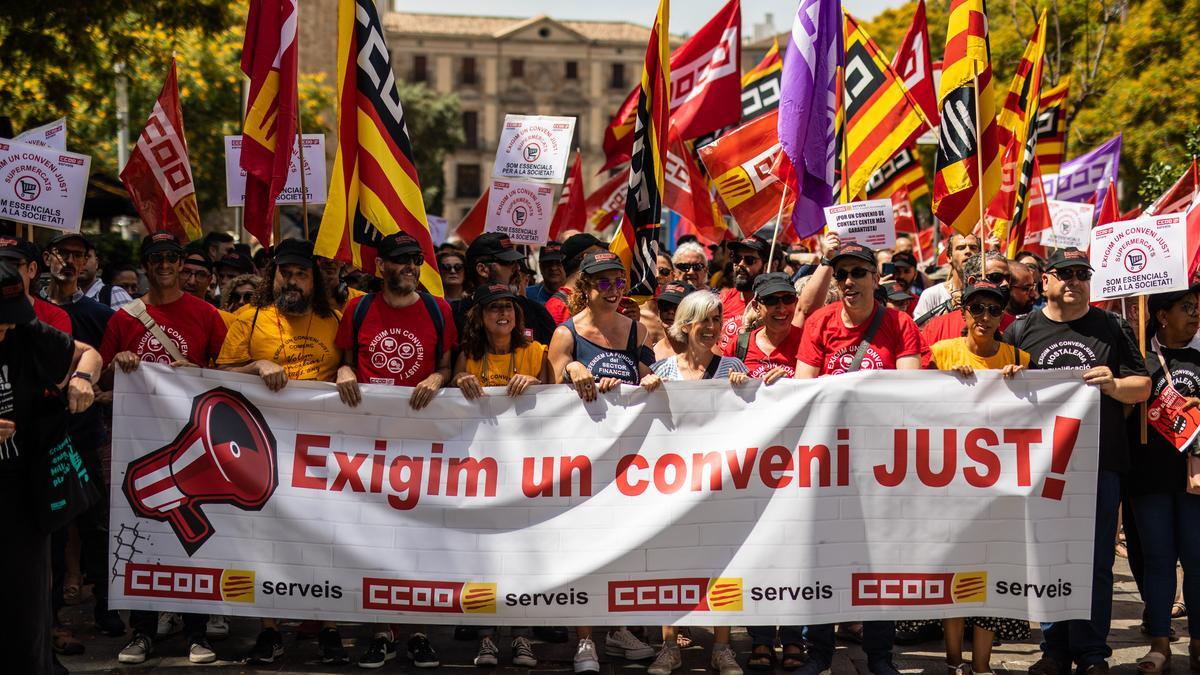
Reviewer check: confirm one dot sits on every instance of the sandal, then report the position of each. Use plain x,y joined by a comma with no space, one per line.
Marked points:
1178,610
963,668
683,638
1153,663
64,641
761,660
792,660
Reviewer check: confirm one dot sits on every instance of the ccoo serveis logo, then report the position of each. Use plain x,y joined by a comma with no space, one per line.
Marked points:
188,583
917,588
722,594
412,595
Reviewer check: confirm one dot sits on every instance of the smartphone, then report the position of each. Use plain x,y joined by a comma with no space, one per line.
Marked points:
888,269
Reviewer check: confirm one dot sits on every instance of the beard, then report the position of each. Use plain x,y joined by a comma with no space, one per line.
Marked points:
399,283
292,300
743,281
1018,308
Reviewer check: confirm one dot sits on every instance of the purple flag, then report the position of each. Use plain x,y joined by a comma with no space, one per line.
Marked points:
1089,174
808,110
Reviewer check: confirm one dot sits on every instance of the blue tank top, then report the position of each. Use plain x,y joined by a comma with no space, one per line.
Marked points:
604,362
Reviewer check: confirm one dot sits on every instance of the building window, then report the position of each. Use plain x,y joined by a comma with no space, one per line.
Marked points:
516,68
420,68
617,81
467,179
468,70
572,70
470,120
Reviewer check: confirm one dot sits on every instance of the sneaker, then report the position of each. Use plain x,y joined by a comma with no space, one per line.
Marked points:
421,652
330,647
169,623
199,651
489,653
217,628
724,661
109,623
522,653
381,650
622,643
267,648
137,650
882,666
1049,666
586,660
667,661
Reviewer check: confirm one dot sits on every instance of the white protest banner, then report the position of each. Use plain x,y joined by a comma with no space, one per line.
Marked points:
855,497
314,173
52,135
520,210
1140,256
534,147
1070,225
870,223
42,186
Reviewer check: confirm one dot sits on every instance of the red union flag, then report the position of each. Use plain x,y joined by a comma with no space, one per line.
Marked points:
472,223
605,206
913,63
687,193
158,174
706,86
740,163
269,60
570,213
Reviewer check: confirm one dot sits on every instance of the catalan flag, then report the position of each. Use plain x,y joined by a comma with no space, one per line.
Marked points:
1052,126
882,116
637,239
968,158
374,190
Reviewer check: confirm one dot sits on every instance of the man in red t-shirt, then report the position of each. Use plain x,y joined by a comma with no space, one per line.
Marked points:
832,335
24,256
395,339
769,351
749,258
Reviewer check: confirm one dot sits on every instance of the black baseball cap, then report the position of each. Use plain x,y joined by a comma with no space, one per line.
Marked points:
1165,300
551,252
673,292
204,261
853,250
157,242
601,261
485,295
1067,257
71,236
985,288
754,243
904,259
241,262
398,244
775,282
18,250
14,305
898,292
493,246
576,244
291,252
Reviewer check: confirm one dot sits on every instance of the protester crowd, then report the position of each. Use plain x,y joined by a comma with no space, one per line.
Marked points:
744,310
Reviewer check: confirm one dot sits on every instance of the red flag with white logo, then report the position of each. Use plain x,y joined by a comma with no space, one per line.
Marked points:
915,66
570,213
687,192
606,205
902,212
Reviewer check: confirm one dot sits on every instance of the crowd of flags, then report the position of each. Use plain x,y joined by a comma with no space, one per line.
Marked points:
826,118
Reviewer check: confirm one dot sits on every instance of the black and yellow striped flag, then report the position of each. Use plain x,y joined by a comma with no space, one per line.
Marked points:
1052,126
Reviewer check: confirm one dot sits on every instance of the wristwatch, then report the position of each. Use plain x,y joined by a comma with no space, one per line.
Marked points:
81,375
826,262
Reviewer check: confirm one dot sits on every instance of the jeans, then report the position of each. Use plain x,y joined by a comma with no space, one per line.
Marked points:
1086,641
765,635
1167,525
878,638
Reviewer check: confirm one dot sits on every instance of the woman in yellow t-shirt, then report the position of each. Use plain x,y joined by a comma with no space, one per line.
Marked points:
495,349
980,349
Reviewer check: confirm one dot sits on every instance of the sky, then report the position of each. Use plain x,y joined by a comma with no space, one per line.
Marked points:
686,15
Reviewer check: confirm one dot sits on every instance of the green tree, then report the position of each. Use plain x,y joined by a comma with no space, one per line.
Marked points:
435,127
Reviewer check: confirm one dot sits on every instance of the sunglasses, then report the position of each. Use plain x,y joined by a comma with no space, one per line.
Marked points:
1069,273
168,257
664,271
69,255
978,308
410,259
772,300
857,273
664,307
451,269
689,267
998,278
744,259
246,296
605,285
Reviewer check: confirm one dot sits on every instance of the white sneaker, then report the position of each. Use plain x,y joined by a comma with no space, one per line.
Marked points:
667,661
169,623
201,652
586,660
522,653
489,653
218,627
622,643
724,661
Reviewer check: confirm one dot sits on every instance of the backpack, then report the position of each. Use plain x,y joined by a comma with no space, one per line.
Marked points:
435,315
104,297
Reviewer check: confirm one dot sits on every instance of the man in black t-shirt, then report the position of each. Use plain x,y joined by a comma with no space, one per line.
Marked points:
1069,333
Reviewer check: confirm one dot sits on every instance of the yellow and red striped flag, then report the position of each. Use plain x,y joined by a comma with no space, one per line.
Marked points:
968,157
1052,126
374,190
902,172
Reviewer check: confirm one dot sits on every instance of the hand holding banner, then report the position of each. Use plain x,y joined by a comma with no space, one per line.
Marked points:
870,223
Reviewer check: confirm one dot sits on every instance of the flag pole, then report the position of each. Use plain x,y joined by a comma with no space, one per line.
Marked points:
300,140
778,224
1142,347
978,172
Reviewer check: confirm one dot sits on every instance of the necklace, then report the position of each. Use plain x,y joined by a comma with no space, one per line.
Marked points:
512,367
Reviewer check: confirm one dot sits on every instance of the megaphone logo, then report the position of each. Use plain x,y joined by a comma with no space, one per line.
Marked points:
224,455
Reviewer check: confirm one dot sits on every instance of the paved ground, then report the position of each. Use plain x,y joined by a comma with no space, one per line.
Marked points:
456,656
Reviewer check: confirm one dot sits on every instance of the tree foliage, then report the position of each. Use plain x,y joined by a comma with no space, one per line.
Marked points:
435,127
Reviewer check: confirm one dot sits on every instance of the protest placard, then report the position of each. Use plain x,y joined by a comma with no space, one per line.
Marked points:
1070,225
1138,257
52,135
520,210
698,504
870,223
42,186
534,148
1167,415
314,175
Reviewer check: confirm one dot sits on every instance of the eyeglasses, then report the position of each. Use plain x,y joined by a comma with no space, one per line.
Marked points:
170,257
978,308
664,271
857,273
744,259
689,267
451,269
998,278
772,300
409,259
1024,287
1069,273
605,285
69,255
185,272
245,296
